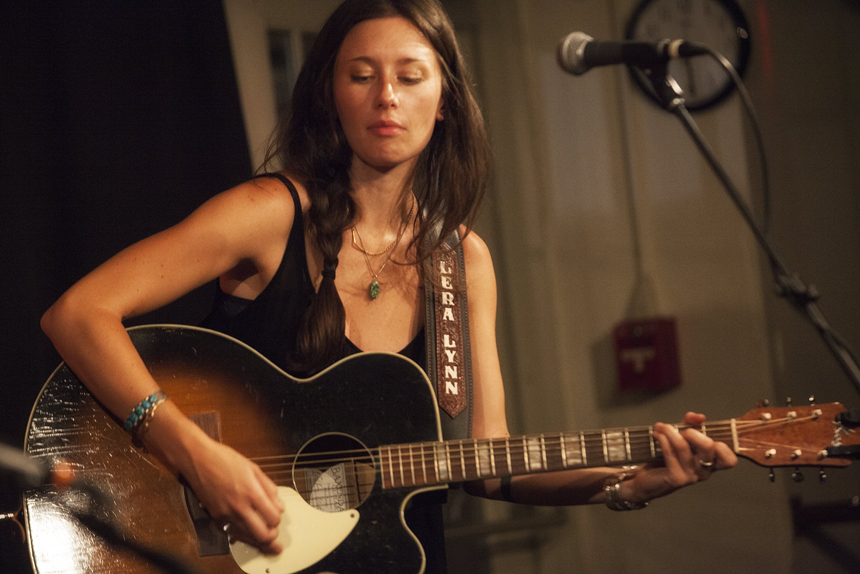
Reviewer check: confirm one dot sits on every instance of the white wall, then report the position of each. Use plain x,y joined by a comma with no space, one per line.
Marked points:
585,163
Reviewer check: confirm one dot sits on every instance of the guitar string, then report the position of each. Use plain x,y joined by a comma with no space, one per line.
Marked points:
591,436
470,454
463,463
609,437
336,494
469,450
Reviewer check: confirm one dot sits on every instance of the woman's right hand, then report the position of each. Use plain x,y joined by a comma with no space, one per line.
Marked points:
233,489
237,494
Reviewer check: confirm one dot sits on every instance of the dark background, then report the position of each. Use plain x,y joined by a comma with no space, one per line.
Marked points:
117,119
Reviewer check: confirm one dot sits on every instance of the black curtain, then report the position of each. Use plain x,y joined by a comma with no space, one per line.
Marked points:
117,119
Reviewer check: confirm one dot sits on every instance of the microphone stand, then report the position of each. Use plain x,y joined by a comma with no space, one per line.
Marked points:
788,284
21,473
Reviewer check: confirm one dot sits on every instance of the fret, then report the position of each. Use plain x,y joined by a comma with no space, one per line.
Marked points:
735,444
482,459
560,456
627,448
651,442
456,461
412,465
429,455
440,459
491,446
703,430
499,454
400,459
424,465
508,454
382,466
543,452
391,466
450,467
604,446
582,448
525,454
462,461
563,450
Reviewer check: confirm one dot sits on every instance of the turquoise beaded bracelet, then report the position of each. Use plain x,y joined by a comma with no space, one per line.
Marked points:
142,413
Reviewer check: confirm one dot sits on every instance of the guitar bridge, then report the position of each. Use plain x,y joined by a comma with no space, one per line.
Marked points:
211,538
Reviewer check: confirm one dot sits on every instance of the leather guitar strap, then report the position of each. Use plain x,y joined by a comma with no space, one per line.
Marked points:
449,358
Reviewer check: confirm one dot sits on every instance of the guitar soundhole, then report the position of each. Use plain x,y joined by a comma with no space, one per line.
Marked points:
334,472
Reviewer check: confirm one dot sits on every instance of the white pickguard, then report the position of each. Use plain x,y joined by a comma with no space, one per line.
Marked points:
307,535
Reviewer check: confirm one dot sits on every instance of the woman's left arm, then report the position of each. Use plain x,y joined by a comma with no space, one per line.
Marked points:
689,456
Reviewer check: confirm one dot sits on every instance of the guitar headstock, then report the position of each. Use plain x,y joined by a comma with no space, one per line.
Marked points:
797,436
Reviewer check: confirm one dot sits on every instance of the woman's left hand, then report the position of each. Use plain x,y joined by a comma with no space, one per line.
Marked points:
689,457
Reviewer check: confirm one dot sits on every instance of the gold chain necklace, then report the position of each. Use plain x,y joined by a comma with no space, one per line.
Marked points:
390,246
366,252
374,289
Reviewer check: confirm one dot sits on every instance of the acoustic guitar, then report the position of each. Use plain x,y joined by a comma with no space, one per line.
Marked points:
348,449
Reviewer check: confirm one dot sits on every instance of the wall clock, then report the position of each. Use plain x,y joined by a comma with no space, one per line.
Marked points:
718,24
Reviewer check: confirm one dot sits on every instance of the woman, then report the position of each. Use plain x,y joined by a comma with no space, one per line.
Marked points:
385,153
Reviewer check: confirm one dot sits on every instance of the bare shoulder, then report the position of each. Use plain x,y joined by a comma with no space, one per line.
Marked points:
268,194
479,262
262,205
274,189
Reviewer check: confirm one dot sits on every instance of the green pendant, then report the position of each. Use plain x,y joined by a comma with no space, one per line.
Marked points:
373,290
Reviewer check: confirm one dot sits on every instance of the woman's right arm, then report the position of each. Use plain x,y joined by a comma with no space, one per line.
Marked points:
247,224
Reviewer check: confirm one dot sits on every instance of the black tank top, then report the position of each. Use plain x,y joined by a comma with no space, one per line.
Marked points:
269,323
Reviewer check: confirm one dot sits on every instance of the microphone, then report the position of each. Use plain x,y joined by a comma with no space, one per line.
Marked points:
578,52
25,472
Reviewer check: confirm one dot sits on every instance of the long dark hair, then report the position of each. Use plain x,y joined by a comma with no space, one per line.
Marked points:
450,176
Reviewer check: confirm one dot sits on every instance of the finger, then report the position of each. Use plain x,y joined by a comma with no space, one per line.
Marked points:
259,533
725,457
713,455
270,491
679,445
694,419
700,443
677,455
238,531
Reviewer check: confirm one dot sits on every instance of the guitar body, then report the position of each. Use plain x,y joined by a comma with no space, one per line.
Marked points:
247,403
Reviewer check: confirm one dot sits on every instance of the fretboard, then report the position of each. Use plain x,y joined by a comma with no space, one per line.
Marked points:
434,463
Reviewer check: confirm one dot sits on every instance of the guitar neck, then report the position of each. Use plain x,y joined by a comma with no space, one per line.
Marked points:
473,459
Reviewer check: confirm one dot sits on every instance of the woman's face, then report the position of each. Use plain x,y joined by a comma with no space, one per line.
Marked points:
388,92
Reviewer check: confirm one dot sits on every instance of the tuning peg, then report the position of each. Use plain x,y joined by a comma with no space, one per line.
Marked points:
788,401
811,399
771,476
797,476
762,403
822,476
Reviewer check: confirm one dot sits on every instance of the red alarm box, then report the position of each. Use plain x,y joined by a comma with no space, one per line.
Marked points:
646,351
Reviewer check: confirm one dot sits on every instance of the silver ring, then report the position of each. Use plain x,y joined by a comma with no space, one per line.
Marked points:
226,527
705,464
